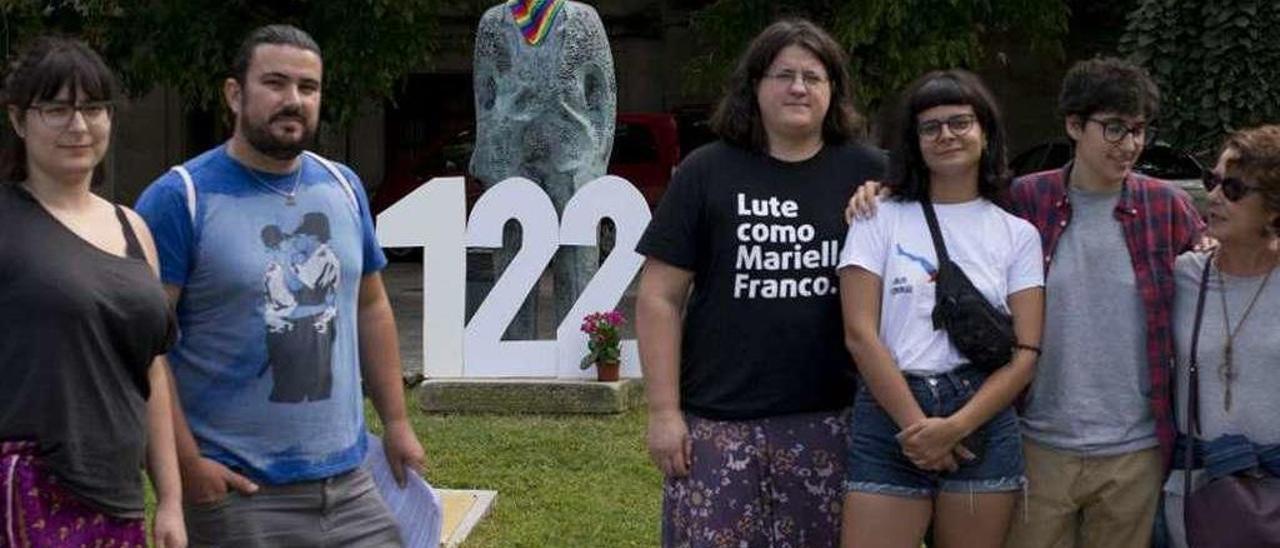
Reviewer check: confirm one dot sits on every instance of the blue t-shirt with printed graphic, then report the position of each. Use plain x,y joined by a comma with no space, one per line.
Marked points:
267,364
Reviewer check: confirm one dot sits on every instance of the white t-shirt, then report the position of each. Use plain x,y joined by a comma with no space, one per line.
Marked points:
999,252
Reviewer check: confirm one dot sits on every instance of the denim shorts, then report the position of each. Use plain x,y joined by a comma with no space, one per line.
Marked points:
877,464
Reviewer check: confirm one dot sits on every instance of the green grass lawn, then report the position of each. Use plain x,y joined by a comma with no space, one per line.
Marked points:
571,480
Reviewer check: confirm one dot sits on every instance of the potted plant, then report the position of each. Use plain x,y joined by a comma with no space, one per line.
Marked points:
603,343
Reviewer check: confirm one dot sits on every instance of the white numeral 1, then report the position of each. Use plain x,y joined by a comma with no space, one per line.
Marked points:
433,217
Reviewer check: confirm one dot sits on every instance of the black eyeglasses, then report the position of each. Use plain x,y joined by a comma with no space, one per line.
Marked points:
1114,130
959,124
58,114
1233,188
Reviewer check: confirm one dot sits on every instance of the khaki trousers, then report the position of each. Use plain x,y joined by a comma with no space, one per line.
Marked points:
1093,502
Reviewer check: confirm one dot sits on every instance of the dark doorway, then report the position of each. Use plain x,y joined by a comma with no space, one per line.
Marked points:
426,118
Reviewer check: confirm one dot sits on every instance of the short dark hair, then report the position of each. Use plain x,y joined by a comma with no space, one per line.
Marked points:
1108,84
908,173
39,71
1258,159
280,35
737,117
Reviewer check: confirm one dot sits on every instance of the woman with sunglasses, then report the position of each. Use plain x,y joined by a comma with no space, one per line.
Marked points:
1237,349
934,437
83,397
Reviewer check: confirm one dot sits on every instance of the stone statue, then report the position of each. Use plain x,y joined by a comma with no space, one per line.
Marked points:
546,99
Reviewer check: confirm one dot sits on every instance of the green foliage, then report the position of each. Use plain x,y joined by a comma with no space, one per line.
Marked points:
890,42
189,45
1217,63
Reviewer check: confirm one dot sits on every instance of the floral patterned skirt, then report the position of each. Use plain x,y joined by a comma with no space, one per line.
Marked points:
776,482
37,512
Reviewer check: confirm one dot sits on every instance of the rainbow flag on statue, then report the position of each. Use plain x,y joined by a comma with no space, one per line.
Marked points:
534,17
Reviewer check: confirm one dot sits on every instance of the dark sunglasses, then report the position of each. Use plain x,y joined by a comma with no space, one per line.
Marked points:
1233,188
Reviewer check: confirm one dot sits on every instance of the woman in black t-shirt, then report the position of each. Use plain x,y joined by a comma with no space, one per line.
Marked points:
738,315
83,400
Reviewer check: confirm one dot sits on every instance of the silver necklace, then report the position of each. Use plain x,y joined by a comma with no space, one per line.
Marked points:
1227,370
288,196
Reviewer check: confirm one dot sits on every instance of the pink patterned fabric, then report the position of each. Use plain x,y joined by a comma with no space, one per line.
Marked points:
37,512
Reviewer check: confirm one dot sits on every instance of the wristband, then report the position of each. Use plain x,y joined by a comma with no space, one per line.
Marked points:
1027,347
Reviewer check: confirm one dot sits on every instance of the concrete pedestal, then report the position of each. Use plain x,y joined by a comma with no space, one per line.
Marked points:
530,396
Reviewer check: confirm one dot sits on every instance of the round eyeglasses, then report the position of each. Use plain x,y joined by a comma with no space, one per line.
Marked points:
959,124
785,78
1114,131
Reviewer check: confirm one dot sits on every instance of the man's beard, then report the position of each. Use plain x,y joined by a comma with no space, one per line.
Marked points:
261,139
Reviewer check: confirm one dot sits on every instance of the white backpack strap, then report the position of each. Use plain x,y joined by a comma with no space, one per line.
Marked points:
342,180
190,185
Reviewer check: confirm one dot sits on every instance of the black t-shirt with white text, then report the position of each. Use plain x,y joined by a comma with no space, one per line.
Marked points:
762,330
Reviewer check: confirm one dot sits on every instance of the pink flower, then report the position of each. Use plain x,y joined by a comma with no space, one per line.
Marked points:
603,338
616,318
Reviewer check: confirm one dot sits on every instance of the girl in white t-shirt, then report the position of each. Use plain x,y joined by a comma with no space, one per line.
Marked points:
933,436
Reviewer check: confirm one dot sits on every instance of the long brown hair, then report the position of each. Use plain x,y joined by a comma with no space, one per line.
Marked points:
737,117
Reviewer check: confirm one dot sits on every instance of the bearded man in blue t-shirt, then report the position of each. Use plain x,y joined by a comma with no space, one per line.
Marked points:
268,254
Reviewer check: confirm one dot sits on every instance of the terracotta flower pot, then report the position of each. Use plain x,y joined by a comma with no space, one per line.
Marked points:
607,371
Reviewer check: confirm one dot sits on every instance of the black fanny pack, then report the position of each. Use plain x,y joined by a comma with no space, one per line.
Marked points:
979,330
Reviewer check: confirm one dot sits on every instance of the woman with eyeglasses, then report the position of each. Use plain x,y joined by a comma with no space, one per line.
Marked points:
738,314
1233,329
83,403
934,435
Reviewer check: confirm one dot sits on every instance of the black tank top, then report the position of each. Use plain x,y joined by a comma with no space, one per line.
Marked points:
79,328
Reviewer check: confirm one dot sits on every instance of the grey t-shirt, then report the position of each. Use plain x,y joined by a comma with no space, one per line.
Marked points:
1255,356
1255,352
1089,395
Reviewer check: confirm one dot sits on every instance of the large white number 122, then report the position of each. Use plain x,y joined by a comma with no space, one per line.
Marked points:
432,217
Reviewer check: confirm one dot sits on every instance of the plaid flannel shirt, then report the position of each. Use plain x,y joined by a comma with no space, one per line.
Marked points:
1159,223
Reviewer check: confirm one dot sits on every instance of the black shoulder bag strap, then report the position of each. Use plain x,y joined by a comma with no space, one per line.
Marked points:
1193,393
939,248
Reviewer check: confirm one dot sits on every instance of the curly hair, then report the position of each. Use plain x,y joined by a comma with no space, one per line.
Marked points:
1258,159
737,116
39,71
1108,84
908,174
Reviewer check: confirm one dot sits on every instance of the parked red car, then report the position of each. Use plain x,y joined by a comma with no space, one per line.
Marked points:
646,149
